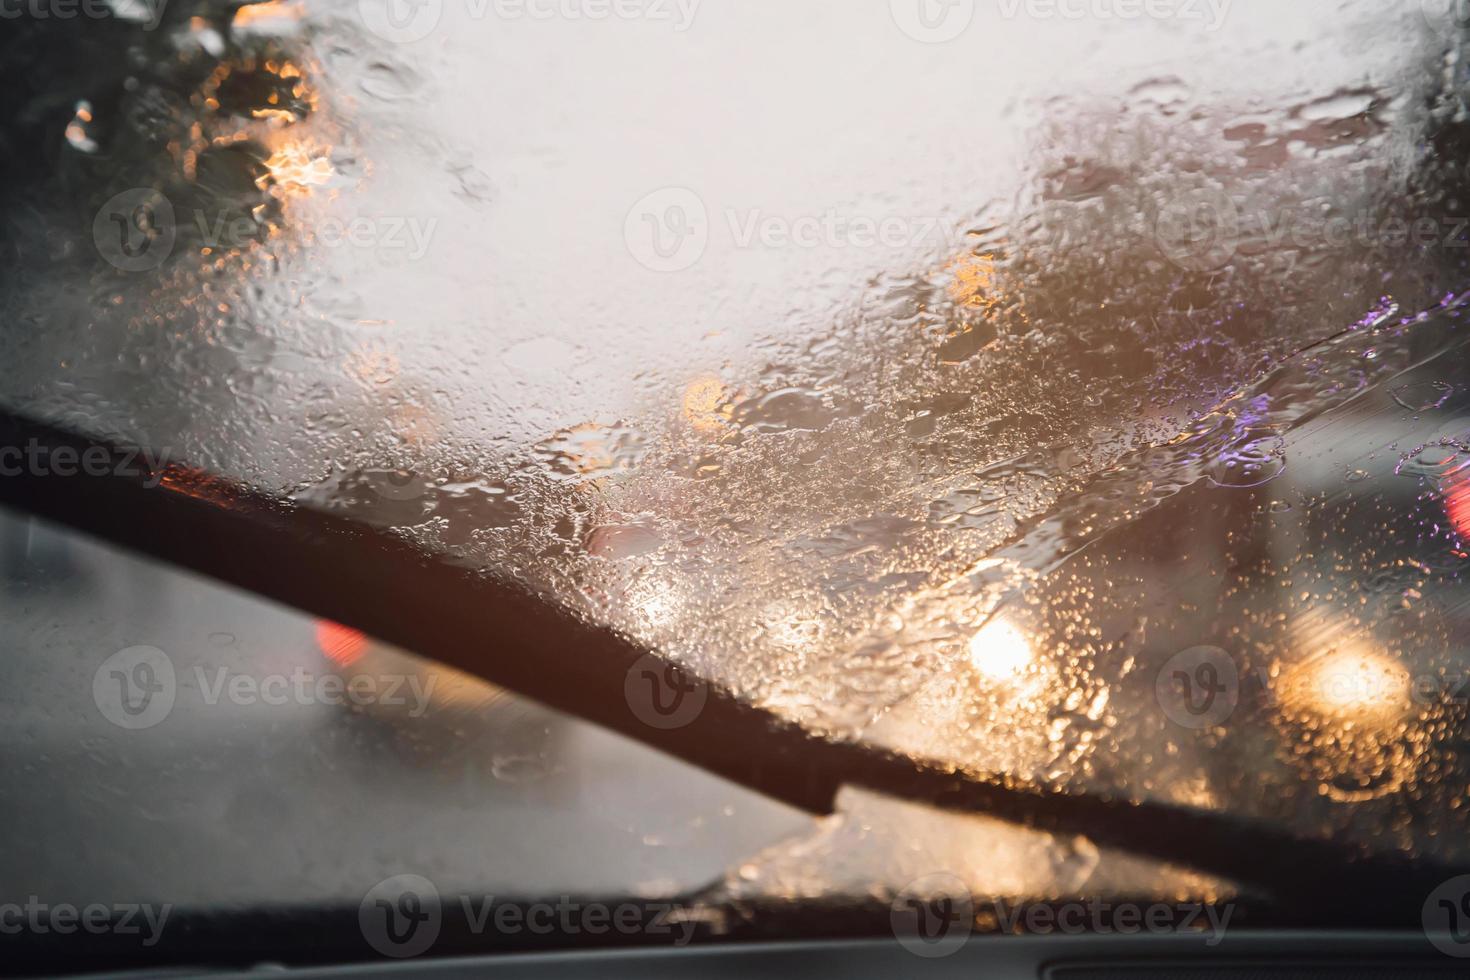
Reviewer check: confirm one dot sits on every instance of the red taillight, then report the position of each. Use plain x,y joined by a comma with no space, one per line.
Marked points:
1457,503
340,644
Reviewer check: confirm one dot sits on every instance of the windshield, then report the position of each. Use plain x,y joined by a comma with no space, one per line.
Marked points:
1072,401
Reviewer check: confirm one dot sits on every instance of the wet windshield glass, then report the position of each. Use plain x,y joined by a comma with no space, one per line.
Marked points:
1078,400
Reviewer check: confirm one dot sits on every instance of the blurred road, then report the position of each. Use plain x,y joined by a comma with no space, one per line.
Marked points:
260,784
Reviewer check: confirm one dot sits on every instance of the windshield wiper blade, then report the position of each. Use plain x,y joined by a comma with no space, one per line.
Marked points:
349,572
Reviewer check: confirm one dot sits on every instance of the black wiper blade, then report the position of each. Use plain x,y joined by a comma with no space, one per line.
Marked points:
346,571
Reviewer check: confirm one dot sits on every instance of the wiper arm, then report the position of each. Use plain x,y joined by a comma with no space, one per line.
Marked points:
347,571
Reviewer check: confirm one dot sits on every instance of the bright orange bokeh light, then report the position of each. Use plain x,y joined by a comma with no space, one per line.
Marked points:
1457,503
340,644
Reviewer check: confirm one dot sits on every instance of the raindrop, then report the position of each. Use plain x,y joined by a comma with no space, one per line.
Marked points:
1249,464
1423,396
